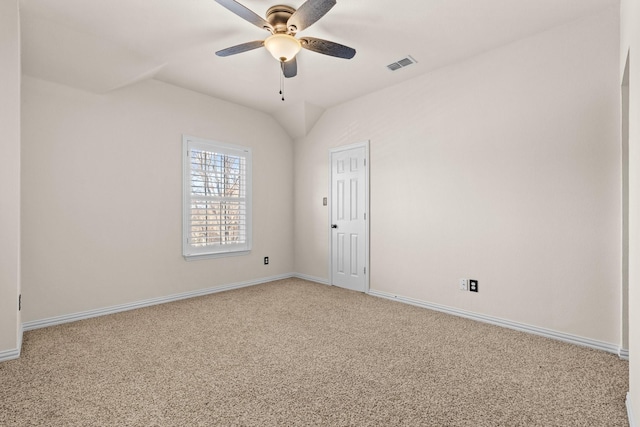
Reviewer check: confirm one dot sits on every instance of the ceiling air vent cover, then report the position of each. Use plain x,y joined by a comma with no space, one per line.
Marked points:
404,62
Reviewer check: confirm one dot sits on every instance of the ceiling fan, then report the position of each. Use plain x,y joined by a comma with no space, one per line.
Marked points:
283,22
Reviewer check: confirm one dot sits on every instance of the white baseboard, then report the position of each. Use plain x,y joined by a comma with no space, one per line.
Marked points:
15,352
9,354
66,318
57,320
624,353
548,333
311,278
632,422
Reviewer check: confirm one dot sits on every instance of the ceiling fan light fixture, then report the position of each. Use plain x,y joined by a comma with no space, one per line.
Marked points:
282,47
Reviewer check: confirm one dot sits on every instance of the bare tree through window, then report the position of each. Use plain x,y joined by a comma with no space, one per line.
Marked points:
218,199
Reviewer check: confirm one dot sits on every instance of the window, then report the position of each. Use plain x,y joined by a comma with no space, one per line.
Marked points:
217,199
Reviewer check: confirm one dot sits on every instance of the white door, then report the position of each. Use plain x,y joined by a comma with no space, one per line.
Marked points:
349,223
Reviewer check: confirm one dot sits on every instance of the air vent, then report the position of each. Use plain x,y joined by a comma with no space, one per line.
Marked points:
404,62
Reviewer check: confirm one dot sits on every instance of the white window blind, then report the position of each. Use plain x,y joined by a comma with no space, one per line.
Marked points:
217,202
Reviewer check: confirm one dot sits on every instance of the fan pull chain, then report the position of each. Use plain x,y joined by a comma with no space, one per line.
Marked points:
282,79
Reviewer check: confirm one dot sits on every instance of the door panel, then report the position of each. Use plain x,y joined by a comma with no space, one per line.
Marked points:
348,218
340,254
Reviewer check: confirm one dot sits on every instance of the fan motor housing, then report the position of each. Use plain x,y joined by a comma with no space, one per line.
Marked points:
278,16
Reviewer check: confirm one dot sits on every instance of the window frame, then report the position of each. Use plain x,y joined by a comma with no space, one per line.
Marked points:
189,251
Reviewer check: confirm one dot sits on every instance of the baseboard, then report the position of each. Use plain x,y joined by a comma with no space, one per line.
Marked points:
311,278
9,354
548,333
13,353
632,422
58,320
623,353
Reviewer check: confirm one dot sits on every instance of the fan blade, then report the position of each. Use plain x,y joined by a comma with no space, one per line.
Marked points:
246,14
327,48
309,13
290,68
240,48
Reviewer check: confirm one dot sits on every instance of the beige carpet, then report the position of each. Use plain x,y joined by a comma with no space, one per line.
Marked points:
298,353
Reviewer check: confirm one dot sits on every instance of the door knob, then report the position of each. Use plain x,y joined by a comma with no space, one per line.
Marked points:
334,225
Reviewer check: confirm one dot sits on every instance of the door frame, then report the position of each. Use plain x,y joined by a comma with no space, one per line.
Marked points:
624,301
365,145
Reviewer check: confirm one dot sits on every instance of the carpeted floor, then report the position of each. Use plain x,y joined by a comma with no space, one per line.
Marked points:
297,353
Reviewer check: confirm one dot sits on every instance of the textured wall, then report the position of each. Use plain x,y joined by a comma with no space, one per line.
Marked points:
102,194
9,174
504,168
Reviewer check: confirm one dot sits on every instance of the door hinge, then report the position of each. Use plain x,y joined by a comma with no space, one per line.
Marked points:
365,270
365,162
365,215
19,302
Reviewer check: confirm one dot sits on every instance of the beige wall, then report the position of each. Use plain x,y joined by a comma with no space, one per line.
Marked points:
630,43
102,192
9,175
504,168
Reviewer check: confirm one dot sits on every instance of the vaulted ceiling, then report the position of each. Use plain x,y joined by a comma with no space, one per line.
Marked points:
101,46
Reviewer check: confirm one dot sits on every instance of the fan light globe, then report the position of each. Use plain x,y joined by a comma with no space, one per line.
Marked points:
283,47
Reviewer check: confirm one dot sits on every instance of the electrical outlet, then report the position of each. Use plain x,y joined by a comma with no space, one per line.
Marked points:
463,285
266,260
473,285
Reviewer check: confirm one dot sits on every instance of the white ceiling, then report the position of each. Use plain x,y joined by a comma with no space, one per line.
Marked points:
102,45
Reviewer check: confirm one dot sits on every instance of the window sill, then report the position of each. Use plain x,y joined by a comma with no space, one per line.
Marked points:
196,257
